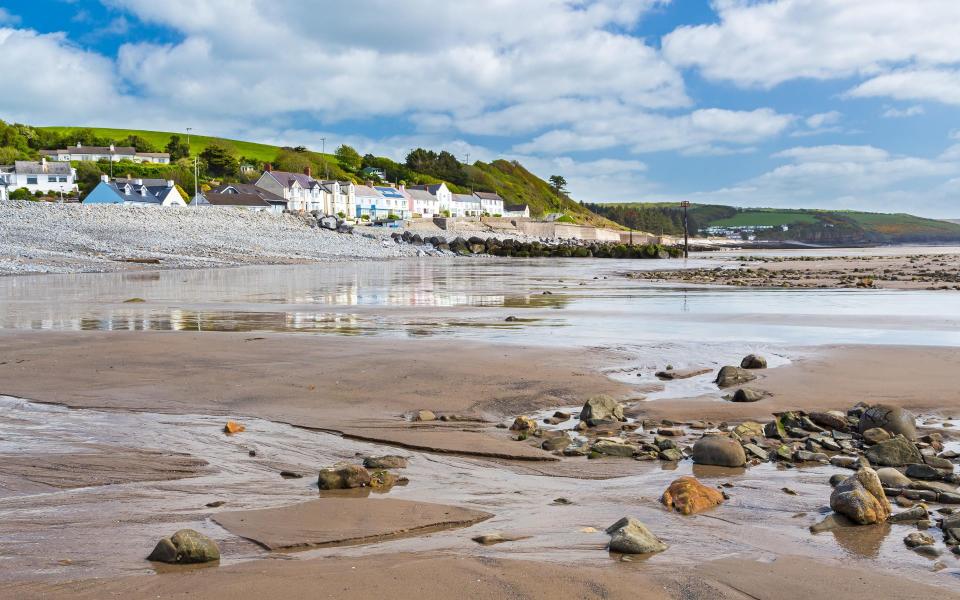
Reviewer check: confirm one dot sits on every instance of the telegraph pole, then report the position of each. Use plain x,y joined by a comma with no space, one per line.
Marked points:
189,129
323,152
686,240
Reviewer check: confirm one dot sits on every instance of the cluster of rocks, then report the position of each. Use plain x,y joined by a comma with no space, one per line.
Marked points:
315,219
510,247
373,474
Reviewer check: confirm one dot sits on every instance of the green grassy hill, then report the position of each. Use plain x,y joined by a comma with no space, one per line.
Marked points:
261,152
805,225
511,180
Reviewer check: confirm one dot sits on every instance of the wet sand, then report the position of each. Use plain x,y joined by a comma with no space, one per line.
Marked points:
432,577
170,392
334,521
364,387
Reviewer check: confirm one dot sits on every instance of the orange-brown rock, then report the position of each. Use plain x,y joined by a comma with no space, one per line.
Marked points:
233,427
689,496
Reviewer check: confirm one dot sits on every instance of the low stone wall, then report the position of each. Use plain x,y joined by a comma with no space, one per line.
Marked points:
639,237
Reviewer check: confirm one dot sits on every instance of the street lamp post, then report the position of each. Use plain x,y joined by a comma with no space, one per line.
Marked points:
686,239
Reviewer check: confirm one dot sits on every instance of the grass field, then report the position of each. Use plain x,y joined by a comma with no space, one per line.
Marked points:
252,150
770,218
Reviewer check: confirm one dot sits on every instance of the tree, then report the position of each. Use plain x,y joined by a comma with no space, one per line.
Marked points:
219,161
348,158
139,143
558,183
177,148
88,176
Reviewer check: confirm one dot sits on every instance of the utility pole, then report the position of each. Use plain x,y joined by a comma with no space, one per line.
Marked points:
189,129
323,152
686,240
196,170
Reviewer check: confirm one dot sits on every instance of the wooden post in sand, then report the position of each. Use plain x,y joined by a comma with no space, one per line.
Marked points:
686,240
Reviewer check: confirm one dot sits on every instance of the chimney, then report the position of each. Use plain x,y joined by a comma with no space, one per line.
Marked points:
105,178
79,145
112,148
138,181
369,183
402,187
170,183
308,171
43,164
267,167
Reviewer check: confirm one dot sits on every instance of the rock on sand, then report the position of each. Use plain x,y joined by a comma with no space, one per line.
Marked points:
601,408
185,547
860,497
730,376
892,418
688,496
719,450
630,536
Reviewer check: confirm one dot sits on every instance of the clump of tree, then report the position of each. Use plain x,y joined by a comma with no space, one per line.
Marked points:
348,158
442,165
177,148
219,161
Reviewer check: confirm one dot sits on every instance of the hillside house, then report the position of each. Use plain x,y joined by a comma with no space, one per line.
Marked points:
339,198
423,203
490,203
440,191
396,200
44,176
464,205
244,196
301,191
135,193
516,210
111,153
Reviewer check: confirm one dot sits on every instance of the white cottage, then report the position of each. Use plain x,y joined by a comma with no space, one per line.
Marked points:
440,192
301,191
45,177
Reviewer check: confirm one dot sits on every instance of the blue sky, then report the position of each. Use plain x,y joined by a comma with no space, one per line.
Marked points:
796,103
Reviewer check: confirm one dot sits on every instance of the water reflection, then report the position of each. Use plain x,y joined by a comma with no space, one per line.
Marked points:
579,302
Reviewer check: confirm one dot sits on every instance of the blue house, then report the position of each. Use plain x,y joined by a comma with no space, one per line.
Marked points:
135,192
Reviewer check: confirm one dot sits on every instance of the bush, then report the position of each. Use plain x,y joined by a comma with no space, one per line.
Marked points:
342,215
445,213
364,217
21,194
393,217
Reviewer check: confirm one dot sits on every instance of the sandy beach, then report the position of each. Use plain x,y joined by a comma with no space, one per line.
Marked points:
111,404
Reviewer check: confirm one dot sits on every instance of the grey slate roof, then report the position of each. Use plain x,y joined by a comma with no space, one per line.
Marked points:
240,199
514,207
94,150
155,194
249,189
287,178
417,194
432,188
144,181
367,192
31,167
488,196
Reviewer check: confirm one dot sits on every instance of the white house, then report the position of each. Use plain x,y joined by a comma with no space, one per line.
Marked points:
396,200
111,153
423,203
135,193
440,191
516,210
370,202
339,198
464,205
301,191
490,203
44,177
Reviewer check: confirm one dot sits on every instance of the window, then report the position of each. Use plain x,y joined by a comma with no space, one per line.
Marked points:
63,180
32,180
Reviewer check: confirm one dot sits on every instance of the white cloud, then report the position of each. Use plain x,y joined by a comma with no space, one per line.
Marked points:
762,44
821,120
8,18
941,85
703,131
901,113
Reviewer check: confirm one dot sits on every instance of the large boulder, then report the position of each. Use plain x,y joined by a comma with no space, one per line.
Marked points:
861,499
600,408
329,223
630,536
719,450
892,478
343,476
892,418
747,395
523,423
753,361
831,419
730,376
613,447
895,452
185,547
688,496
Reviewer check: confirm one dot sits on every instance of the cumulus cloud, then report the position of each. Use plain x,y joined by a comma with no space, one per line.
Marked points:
900,113
703,131
763,44
941,85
